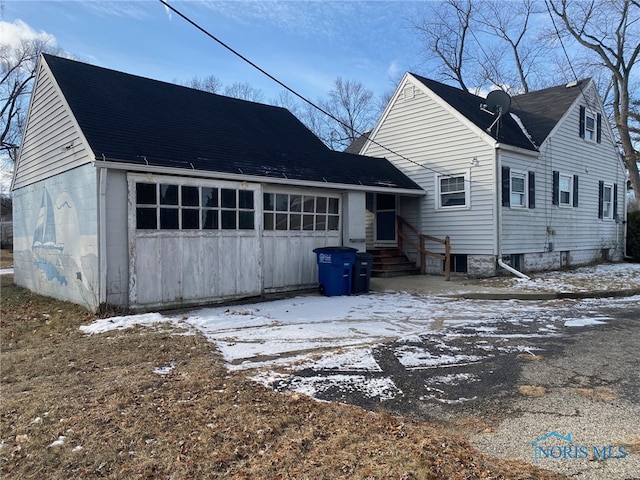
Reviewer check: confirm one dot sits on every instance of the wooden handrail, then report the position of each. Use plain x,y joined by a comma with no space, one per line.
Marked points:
402,237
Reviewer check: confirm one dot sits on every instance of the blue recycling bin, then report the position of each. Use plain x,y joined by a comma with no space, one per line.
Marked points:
335,268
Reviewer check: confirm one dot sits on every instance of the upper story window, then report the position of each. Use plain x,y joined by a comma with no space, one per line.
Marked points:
589,128
590,125
453,190
164,206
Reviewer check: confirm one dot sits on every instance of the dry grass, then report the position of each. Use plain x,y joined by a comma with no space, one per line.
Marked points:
597,394
532,391
122,421
6,259
633,444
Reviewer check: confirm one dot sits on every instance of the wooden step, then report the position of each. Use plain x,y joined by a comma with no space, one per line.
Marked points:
391,263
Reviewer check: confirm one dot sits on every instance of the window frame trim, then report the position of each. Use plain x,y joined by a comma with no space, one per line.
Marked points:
611,188
569,203
302,213
466,175
134,178
525,189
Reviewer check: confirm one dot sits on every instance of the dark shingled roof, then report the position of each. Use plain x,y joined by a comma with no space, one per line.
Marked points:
358,143
541,110
126,118
468,104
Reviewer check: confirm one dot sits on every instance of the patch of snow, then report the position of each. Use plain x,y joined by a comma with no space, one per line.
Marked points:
353,360
77,448
454,378
380,388
523,128
336,336
584,322
414,358
164,370
59,442
118,323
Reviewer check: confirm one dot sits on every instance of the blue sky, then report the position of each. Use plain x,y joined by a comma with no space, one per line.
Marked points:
306,45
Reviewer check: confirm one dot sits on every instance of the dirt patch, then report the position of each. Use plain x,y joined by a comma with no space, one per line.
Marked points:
633,444
532,391
597,394
159,403
6,259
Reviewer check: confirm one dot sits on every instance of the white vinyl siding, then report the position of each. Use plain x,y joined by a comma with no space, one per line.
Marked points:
52,143
435,142
567,227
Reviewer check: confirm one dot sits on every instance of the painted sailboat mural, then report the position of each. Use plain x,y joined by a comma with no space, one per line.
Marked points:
44,236
45,246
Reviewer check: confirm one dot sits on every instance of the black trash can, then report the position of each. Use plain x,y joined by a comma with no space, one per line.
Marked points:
335,268
361,277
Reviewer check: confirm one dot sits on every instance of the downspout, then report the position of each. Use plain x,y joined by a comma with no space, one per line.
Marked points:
498,187
102,234
512,270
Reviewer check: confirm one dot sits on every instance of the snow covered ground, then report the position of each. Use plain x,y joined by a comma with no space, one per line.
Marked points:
280,338
603,277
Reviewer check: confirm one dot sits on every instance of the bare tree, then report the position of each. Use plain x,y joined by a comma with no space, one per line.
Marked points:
210,83
446,28
610,29
288,100
244,91
18,64
518,52
353,109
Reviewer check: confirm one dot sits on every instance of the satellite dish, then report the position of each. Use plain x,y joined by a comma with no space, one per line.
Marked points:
498,102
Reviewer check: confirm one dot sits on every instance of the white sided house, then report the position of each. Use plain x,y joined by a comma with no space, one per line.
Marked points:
532,182
142,194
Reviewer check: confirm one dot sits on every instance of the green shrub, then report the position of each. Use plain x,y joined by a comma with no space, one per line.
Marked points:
633,235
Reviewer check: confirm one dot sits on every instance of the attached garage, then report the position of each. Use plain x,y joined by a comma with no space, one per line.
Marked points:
143,194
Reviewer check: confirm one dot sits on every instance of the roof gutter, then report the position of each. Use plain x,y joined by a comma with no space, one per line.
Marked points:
118,165
520,150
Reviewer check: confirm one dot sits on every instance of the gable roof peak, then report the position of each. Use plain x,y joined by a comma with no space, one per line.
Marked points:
130,119
505,131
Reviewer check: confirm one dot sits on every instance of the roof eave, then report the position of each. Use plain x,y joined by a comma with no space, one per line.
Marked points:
512,148
159,170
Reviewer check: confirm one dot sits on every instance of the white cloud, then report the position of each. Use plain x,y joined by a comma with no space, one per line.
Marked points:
393,69
13,34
